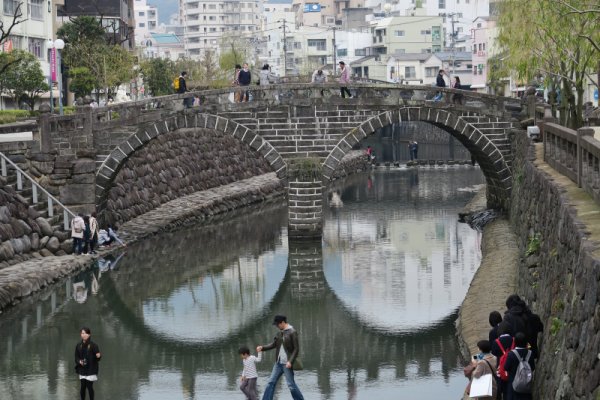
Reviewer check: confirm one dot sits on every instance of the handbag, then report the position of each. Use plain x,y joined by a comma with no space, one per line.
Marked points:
297,365
482,386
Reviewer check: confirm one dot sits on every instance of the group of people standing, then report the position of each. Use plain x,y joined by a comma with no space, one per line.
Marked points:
509,353
440,82
87,236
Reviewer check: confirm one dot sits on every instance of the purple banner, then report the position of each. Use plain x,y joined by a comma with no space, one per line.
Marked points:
53,64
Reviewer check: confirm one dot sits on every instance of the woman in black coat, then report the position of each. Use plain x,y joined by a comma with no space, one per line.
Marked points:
512,363
87,356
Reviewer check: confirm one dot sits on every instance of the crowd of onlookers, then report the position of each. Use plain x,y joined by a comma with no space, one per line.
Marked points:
508,355
87,235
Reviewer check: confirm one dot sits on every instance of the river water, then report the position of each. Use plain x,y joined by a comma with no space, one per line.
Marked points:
374,302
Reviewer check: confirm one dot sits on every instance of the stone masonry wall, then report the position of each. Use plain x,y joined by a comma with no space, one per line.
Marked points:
24,234
177,164
559,281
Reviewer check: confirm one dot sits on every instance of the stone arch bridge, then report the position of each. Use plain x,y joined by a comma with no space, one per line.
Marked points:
301,131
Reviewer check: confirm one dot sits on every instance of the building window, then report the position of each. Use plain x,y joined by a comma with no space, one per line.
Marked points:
297,45
431,72
483,46
475,70
36,47
141,13
426,32
360,52
36,10
10,6
213,29
212,6
141,25
212,18
399,33
442,4
342,52
475,49
320,44
410,72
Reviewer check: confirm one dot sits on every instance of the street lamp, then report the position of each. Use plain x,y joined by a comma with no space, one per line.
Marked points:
56,69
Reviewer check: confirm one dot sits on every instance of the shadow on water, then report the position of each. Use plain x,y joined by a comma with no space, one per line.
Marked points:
171,313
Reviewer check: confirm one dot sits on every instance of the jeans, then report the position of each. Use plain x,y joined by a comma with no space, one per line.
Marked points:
343,91
278,370
77,245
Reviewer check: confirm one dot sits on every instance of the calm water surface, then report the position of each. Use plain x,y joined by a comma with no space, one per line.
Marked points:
374,302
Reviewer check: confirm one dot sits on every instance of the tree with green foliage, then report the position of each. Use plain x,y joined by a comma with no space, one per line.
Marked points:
158,75
82,81
24,80
549,40
87,45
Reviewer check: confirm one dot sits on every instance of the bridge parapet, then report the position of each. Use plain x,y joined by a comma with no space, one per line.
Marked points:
575,154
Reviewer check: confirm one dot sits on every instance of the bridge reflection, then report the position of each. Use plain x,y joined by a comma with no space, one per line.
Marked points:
178,305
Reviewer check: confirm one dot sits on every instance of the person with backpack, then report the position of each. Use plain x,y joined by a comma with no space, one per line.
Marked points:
520,365
180,86
77,228
501,347
494,319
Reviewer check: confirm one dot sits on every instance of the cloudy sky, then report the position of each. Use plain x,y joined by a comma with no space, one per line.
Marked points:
165,9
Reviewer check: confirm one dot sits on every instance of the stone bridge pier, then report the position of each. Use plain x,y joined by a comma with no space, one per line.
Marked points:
305,261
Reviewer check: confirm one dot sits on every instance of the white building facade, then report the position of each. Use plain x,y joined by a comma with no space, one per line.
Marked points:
206,22
146,19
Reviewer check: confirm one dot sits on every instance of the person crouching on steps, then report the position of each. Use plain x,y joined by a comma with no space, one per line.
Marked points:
249,374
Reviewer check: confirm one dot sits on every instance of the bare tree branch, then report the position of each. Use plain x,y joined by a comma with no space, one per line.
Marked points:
17,18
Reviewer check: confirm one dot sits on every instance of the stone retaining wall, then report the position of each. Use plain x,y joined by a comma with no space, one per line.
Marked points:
177,164
23,233
558,223
353,162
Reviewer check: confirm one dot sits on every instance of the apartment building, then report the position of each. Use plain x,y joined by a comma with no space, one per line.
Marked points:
405,69
277,13
484,46
457,14
458,63
117,17
407,34
205,23
146,19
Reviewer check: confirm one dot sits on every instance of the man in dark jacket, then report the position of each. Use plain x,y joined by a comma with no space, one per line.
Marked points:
439,82
245,78
286,358
187,102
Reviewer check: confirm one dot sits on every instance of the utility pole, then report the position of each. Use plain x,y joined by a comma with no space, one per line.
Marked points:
284,26
453,37
334,52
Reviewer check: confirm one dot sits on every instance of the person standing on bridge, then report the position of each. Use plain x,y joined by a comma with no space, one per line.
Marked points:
344,80
287,349
440,82
245,78
187,102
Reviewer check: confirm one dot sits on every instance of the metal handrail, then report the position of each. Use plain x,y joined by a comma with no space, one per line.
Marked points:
34,190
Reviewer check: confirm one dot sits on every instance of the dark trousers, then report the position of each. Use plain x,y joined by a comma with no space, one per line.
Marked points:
77,245
248,387
89,385
188,102
90,243
344,90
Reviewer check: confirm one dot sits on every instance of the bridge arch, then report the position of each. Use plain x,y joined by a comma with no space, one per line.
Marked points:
489,151
145,135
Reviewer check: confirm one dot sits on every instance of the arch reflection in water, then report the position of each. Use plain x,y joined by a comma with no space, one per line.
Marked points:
202,289
401,265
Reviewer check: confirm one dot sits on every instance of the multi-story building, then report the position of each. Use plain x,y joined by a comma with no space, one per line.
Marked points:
458,63
206,22
146,19
457,14
31,35
117,16
407,69
484,47
163,45
407,34
277,14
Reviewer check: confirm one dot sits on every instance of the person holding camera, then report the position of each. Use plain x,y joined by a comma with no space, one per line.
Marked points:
87,356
